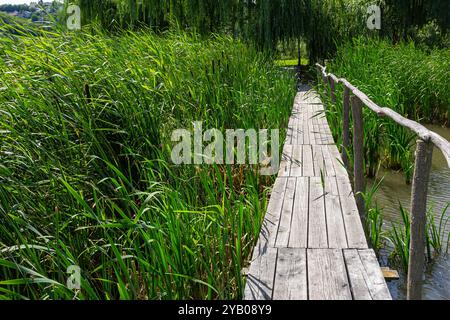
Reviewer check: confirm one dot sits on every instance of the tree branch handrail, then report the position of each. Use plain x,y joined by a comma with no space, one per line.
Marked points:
422,168
426,135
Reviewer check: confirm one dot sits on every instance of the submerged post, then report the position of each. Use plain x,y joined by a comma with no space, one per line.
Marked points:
424,154
346,126
358,155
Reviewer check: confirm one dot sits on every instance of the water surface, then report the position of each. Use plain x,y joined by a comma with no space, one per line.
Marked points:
394,190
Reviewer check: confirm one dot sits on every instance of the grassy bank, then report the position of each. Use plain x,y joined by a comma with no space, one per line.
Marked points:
85,171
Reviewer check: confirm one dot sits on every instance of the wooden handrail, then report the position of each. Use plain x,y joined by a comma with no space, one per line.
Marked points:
427,135
422,168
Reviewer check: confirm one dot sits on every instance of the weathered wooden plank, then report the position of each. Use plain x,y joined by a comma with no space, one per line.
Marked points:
297,101
301,95
374,276
365,275
285,164
308,163
335,221
298,135
320,128
337,163
298,237
300,129
284,227
295,129
319,163
297,161
323,128
271,219
311,98
260,279
328,137
328,161
305,126
316,128
389,274
290,276
289,132
327,275
310,124
357,275
353,227
327,133
317,226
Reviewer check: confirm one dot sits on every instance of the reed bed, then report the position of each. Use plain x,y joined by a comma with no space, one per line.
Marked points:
402,77
85,171
436,242
414,83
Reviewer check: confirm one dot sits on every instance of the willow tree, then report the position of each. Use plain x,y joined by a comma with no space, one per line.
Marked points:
205,16
403,16
320,23
333,22
264,22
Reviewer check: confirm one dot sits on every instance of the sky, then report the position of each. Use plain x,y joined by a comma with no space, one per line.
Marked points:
19,1
16,1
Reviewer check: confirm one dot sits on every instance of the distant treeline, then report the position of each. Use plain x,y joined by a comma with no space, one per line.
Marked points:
38,12
16,7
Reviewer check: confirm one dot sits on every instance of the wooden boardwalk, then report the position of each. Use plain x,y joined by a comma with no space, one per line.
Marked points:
312,244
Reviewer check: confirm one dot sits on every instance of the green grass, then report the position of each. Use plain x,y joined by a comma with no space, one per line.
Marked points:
412,82
291,62
400,238
401,77
85,171
374,221
437,239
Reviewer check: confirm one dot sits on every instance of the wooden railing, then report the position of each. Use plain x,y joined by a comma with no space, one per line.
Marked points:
424,152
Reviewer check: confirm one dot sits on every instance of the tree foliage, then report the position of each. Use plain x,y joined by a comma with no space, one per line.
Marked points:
320,23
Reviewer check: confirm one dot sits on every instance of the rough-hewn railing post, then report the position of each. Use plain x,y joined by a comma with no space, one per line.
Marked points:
421,174
332,88
325,84
424,154
346,126
358,156
324,79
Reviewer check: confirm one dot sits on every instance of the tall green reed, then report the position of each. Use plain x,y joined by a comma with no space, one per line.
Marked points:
374,221
403,78
85,173
436,236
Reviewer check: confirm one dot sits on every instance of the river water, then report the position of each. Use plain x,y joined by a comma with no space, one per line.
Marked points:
393,190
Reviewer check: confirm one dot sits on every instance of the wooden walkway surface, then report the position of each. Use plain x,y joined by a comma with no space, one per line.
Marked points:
312,244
